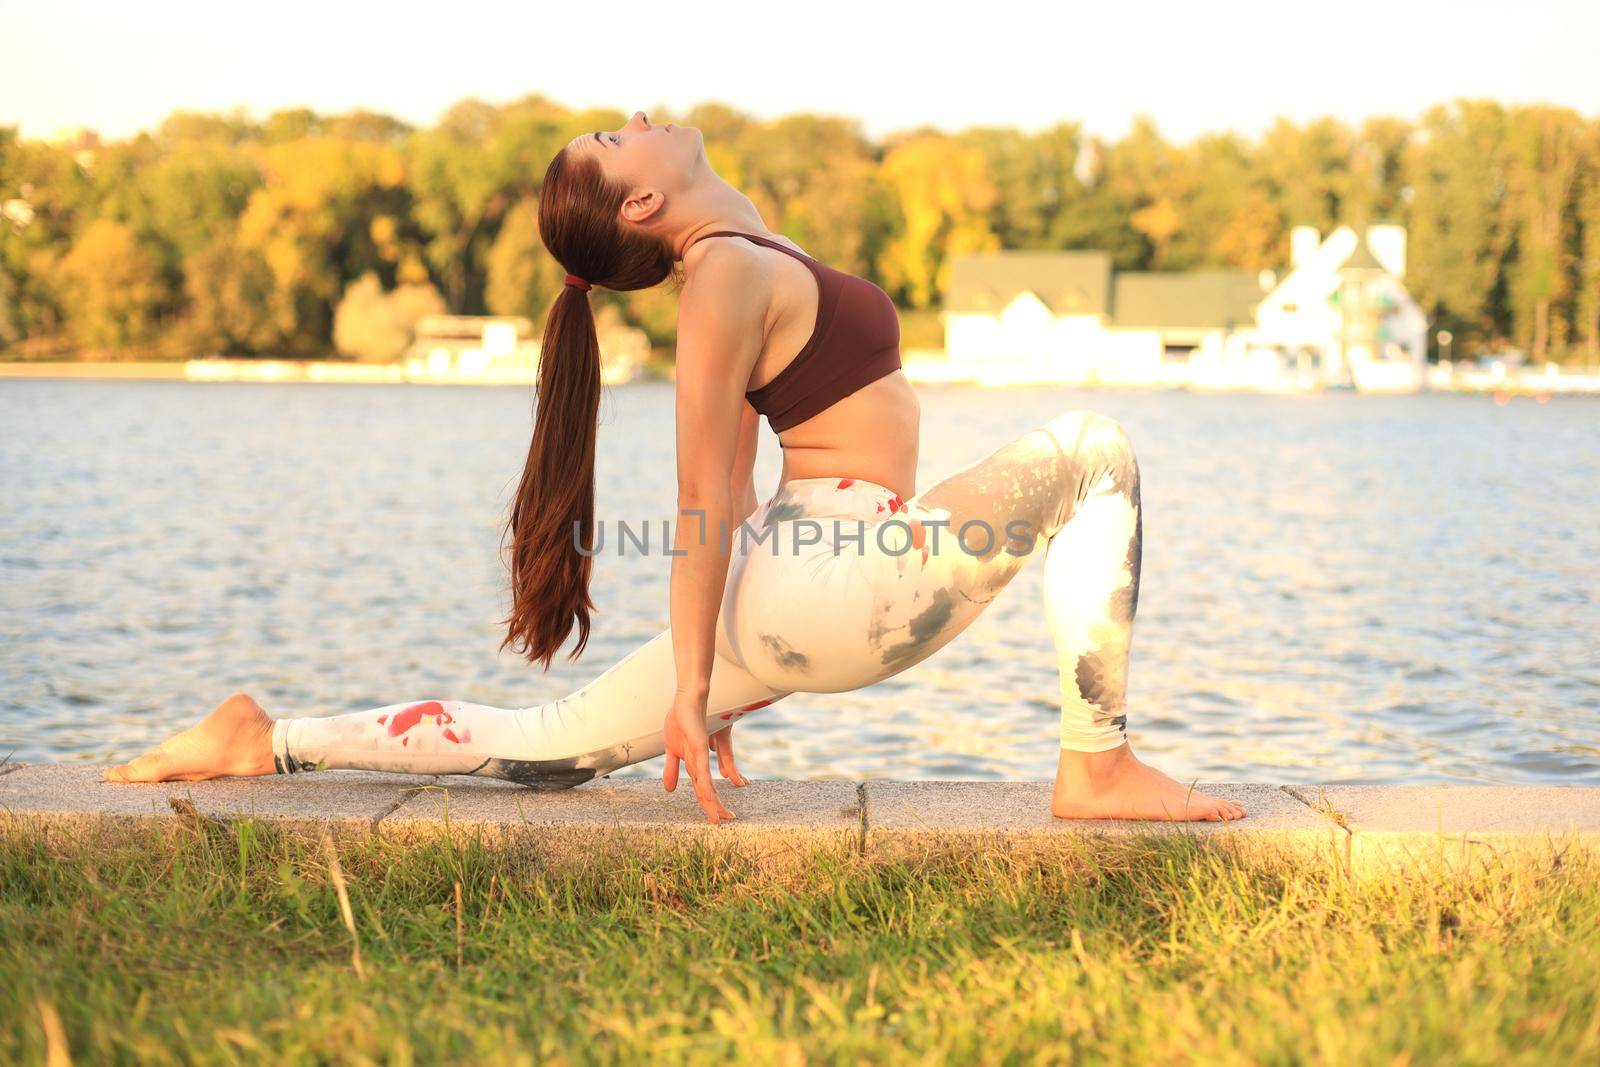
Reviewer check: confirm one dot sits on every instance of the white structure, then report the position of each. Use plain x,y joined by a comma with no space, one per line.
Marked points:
1344,313
503,349
1341,318
1042,316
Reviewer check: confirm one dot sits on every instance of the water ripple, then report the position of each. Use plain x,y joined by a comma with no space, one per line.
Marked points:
1336,589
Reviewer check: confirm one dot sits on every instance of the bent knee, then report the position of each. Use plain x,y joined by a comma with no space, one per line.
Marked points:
1083,429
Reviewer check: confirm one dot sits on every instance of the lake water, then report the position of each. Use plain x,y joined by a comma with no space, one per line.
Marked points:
1336,588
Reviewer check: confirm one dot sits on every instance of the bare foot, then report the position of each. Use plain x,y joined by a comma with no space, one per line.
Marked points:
1115,785
234,740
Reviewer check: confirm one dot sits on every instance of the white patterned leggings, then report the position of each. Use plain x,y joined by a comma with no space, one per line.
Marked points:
833,584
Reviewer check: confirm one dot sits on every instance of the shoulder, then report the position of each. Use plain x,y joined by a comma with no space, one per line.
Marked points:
727,278
719,260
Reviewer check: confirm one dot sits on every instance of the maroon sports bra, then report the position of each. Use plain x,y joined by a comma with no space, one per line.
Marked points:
855,342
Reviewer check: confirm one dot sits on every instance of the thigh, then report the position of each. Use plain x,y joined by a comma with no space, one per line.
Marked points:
1008,502
1039,479
796,609
869,600
968,535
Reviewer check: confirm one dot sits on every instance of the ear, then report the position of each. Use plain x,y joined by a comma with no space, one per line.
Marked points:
642,204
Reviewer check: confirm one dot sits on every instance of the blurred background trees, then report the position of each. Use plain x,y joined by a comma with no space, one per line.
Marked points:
305,234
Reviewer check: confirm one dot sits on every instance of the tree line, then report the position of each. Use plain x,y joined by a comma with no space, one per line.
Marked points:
225,234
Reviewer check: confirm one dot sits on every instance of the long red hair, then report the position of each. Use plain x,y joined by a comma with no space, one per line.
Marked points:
552,516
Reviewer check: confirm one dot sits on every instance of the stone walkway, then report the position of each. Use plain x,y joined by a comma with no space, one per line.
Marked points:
1359,828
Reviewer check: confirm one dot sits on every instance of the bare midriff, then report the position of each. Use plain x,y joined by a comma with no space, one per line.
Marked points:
830,330
871,434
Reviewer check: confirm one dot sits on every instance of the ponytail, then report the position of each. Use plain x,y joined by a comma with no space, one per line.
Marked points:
551,527
552,517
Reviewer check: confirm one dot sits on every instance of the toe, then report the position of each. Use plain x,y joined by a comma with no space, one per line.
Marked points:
147,768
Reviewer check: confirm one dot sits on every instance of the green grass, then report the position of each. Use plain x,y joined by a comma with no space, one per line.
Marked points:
203,945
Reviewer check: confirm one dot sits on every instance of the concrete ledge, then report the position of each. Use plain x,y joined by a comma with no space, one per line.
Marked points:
909,818
775,822
72,795
1456,825
1356,828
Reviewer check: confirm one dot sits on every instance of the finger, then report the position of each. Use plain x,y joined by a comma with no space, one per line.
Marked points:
725,764
669,773
722,745
700,772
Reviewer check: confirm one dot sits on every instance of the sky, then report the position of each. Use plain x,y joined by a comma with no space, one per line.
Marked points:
1193,67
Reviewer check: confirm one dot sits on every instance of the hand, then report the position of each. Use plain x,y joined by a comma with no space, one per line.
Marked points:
685,735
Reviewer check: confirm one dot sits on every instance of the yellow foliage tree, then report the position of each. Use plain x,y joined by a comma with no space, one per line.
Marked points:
318,219
1160,222
1250,238
944,194
112,288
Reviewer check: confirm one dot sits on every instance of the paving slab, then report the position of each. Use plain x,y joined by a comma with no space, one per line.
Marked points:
1398,826
773,820
1362,828
908,818
74,794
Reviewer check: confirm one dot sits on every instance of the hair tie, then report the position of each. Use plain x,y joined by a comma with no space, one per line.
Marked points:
573,279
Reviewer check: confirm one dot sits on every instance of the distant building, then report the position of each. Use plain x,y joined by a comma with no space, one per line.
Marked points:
1342,316
504,349
1343,311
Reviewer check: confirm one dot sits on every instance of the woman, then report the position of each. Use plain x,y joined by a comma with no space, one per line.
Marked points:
844,577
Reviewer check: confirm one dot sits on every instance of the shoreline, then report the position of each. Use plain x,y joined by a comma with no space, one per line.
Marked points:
279,371
920,368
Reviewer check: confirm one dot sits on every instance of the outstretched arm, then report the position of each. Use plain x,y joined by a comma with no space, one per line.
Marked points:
742,487
721,324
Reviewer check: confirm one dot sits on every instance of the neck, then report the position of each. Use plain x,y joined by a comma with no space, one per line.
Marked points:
712,207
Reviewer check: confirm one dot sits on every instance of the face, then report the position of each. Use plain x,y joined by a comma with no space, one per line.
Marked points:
645,157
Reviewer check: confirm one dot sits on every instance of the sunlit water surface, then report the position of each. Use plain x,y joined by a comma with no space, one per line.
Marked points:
1336,588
